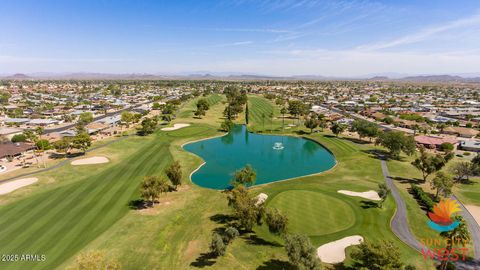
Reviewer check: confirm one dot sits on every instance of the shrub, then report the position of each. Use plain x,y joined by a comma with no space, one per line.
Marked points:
423,197
446,147
217,246
19,138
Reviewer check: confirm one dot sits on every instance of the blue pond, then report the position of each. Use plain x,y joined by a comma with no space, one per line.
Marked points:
274,158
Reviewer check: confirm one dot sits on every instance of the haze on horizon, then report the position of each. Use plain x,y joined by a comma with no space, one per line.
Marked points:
272,37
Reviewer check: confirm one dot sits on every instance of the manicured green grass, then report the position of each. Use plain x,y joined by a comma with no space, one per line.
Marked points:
189,108
308,215
260,115
61,221
213,99
86,208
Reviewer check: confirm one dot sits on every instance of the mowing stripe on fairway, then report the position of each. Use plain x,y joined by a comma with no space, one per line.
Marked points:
61,221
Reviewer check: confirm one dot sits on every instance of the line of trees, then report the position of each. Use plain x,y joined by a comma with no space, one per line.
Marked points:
236,99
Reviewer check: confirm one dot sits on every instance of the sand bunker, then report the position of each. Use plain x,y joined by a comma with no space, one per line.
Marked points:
334,252
261,198
90,160
16,184
369,195
475,211
175,127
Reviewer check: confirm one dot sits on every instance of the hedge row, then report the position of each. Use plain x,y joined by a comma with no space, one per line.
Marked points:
423,197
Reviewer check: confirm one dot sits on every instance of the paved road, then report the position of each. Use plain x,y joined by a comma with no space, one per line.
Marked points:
59,129
474,229
399,222
400,227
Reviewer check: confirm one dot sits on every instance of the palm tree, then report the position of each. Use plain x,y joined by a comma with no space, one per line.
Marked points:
263,121
283,111
271,121
458,235
32,137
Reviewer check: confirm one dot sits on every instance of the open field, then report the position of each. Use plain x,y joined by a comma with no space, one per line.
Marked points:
92,201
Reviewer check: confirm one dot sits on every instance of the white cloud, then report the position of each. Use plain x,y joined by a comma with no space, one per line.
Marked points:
425,33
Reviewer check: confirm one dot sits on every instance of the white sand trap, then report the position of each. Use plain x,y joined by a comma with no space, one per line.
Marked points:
261,198
90,160
16,184
334,252
475,211
370,195
175,127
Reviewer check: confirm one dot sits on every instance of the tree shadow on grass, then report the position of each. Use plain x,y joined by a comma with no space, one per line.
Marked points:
301,132
137,204
368,204
377,154
205,259
356,141
253,239
222,218
408,180
276,264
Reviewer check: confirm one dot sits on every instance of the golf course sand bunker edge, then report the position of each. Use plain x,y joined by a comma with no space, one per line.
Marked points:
369,195
175,127
334,252
90,160
261,198
475,211
16,184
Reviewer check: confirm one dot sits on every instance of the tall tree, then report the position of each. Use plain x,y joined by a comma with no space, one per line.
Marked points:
301,252
383,192
428,163
337,128
397,142
462,171
174,173
151,188
365,128
311,123
378,256
276,221
458,235
81,141
244,207
443,183
296,107
147,126
127,118
246,114
217,246
245,176
283,111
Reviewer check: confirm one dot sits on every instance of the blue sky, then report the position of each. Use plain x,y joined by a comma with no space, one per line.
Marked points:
272,37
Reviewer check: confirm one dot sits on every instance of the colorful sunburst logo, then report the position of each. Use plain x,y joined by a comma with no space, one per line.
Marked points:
441,218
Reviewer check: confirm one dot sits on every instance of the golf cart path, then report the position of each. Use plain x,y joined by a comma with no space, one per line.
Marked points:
399,221
400,227
473,227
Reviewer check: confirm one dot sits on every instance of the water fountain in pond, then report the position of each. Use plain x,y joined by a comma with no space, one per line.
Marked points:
278,146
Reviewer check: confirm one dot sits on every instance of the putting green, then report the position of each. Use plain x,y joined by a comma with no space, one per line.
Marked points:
313,213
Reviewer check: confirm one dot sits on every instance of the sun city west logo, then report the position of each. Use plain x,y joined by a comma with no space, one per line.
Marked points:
441,218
